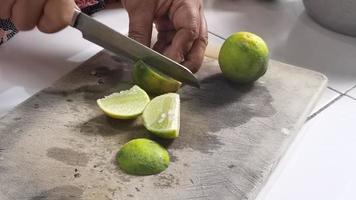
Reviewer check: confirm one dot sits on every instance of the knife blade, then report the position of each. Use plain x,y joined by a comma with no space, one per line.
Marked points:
120,44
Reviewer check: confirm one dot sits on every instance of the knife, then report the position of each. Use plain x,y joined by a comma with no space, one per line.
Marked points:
120,44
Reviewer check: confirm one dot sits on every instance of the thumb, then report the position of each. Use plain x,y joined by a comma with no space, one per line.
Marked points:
56,15
140,27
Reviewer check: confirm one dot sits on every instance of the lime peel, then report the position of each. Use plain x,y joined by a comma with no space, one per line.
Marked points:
143,157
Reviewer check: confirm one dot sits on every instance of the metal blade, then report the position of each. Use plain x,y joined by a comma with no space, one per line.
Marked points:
120,44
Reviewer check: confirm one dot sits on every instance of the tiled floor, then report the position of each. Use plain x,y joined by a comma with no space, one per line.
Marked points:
320,163
327,146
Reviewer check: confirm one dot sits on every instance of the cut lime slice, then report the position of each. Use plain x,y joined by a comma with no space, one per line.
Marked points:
127,104
153,81
143,157
162,116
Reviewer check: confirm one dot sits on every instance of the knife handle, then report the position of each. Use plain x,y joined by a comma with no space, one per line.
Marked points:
212,50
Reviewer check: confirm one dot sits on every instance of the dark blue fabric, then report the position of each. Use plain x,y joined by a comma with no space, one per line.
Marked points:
94,8
7,30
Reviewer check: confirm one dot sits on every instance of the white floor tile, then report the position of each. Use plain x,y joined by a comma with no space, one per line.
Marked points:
291,35
10,98
352,93
321,163
327,97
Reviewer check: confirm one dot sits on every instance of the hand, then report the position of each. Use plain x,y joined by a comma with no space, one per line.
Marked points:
181,26
48,15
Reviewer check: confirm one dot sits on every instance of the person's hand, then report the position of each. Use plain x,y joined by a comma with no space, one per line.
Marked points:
48,15
181,26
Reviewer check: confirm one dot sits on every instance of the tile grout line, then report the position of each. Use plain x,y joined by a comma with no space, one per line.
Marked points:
337,91
324,107
341,94
351,97
347,91
216,35
327,105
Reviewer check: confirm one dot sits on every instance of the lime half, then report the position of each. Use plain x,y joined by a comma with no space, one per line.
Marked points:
153,81
126,104
162,116
143,157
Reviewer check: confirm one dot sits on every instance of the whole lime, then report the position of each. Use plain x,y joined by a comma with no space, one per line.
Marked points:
143,157
243,57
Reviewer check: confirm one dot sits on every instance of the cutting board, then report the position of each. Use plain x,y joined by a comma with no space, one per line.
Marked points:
59,145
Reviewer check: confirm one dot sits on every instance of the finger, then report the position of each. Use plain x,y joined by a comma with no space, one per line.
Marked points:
164,40
195,57
165,35
5,8
164,24
140,27
25,13
57,14
187,30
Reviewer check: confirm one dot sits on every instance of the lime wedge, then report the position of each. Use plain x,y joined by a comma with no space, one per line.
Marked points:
143,157
162,116
126,104
153,81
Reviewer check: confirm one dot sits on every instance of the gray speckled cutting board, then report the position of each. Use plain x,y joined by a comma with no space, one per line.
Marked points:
58,145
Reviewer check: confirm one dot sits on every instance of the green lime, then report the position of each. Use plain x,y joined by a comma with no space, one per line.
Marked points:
153,81
143,157
162,116
126,104
243,57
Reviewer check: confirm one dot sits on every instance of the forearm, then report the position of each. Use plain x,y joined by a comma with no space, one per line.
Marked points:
8,29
